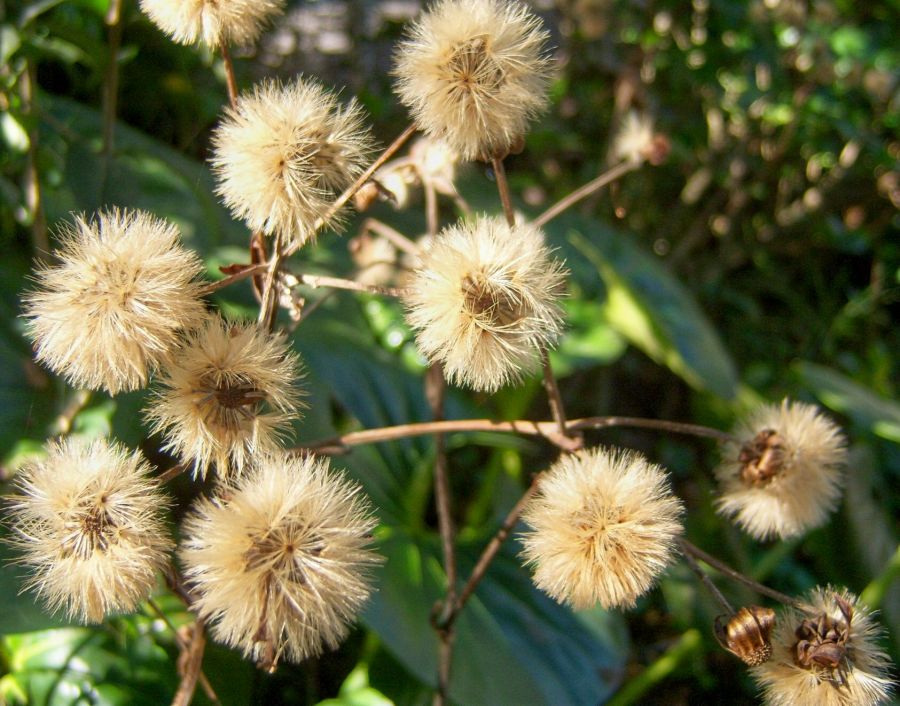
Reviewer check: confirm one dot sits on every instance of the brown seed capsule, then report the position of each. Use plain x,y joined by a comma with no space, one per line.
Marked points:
821,643
762,457
747,634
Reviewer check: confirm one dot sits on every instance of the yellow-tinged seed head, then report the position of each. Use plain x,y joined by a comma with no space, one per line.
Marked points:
783,475
279,564
474,73
215,22
117,302
87,521
603,524
827,655
484,299
285,152
229,393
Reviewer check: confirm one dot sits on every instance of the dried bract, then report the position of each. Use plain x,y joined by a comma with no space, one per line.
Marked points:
279,564
603,528
117,302
87,521
826,656
285,152
474,74
484,299
784,474
215,22
230,392
747,634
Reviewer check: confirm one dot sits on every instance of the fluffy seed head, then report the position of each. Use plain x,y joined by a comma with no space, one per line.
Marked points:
603,524
215,22
230,392
784,474
115,304
285,152
484,299
279,564
87,523
474,74
826,656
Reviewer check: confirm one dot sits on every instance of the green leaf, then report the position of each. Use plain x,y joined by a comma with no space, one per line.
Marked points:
650,308
142,173
513,644
355,691
840,393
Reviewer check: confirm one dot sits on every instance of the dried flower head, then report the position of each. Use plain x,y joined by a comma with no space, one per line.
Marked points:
116,303
279,564
87,522
747,634
484,299
826,656
215,22
285,152
229,393
783,475
474,74
603,525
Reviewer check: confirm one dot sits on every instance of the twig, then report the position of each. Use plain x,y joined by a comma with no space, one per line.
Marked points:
351,190
230,81
394,237
171,473
63,423
503,189
553,396
708,583
594,185
338,283
435,389
185,648
451,612
248,271
545,429
113,22
431,207
268,306
736,575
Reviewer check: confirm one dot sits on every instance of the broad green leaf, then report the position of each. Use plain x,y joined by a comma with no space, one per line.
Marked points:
513,644
650,308
142,173
840,393
355,691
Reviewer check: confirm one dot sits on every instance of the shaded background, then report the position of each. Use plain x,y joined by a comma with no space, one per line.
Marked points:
760,261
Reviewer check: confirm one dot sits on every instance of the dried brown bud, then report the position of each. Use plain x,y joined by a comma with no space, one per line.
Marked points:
761,457
366,196
657,152
822,642
747,634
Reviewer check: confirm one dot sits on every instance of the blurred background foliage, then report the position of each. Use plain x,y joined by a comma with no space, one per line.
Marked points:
760,261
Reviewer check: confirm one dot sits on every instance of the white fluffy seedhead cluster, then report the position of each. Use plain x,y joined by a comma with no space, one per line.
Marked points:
87,522
284,153
827,655
603,526
117,302
227,395
484,300
215,22
784,473
279,564
474,73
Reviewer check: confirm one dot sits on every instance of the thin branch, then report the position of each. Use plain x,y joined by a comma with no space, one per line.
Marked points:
553,397
708,583
62,425
171,473
394,237
113,22
736,575
195,657
435,389
546,429
351,190
268,306
582,193
338,283
450,614
248,271
230,81
431,207
503,189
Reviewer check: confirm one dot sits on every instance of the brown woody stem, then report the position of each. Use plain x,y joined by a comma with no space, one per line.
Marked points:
503,190
582,193
708,583
230,81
